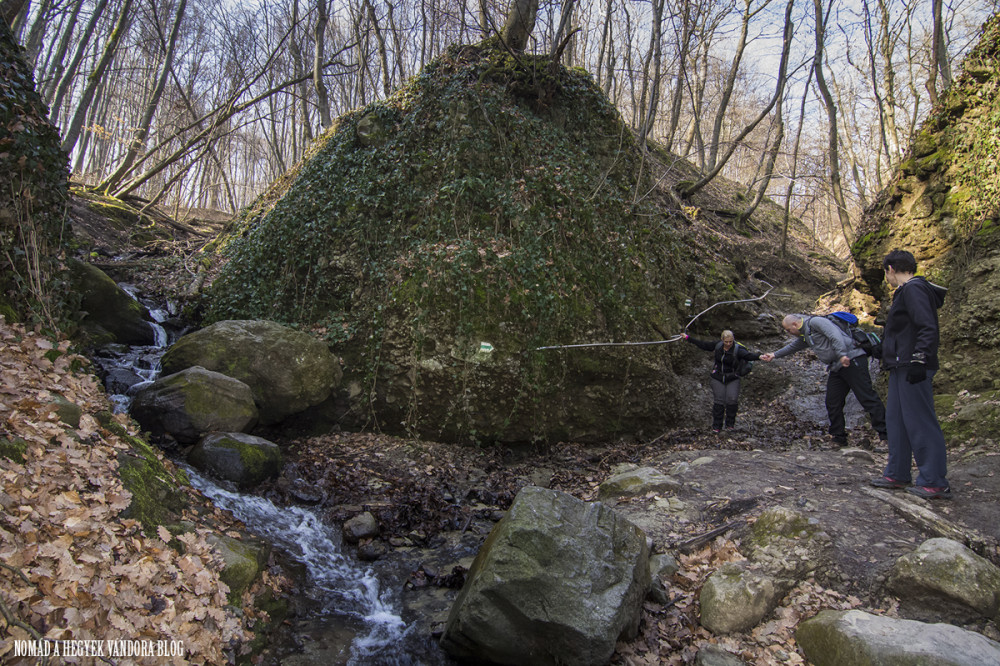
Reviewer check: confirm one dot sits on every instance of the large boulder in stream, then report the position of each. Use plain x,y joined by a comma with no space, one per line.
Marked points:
244,459
492,206
286,370
109,313
558,581
188,404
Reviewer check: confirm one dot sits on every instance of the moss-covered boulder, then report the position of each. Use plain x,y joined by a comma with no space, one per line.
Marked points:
967,414
437,238
944,207
944,572
13,449
836,638
242,562
193,402
558,581
158,497
788,545
243,459
34,178
636,482
287,370
69,412
737,598
108,313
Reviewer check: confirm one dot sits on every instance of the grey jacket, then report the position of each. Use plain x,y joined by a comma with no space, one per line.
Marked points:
828,341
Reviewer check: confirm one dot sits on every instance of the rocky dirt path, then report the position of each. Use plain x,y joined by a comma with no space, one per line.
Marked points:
436,503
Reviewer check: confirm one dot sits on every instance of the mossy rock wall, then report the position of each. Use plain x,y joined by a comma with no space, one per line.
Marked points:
34,177
491,200
944,207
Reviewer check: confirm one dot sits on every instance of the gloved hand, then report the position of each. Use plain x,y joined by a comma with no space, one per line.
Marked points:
916,373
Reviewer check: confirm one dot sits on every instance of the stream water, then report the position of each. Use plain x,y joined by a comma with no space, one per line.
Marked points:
350,619
350,596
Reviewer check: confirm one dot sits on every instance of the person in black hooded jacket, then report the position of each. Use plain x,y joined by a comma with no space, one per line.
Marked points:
910,354
729,356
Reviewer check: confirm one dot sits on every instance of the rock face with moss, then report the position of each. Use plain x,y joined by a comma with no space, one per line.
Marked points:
491,206
944,206
34,178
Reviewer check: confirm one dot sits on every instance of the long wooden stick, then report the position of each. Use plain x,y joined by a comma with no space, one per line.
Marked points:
982,545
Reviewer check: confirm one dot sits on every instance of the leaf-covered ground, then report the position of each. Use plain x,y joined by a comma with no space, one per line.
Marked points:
70,568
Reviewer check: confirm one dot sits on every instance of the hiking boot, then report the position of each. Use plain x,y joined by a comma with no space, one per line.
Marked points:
930,493
888,482
840,441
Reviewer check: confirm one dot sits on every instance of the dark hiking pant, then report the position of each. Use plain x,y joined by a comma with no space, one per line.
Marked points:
725,399
856,378
914,432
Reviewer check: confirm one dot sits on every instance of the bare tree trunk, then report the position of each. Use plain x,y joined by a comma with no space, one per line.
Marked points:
185,96
778,92
677,100
383,55
730,83
606,47
889,73
298,68
833,149
794,166
397,46
142,131
652,80
33,44
320,37
10,10
520,23
222,115
565,19
81,49
56,64
95,77
772,156
939,54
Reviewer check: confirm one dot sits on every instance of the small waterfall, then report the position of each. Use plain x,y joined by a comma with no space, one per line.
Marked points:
336,583
128,369
349,602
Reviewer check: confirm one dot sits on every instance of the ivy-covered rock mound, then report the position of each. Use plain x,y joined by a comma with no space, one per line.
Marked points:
944,206
34,178
491,206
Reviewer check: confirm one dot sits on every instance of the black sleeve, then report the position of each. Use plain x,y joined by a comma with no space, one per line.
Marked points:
745,353
707,345
923,318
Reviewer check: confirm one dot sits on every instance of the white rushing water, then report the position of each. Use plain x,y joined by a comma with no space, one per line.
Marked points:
335,581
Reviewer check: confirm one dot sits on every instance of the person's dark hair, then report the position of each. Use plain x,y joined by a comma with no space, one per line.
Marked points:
901,262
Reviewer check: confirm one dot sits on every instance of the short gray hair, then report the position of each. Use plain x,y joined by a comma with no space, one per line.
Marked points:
790,319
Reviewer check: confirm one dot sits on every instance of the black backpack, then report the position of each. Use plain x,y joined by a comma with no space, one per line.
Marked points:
869,341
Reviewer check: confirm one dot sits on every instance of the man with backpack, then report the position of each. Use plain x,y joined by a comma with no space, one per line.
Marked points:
847,365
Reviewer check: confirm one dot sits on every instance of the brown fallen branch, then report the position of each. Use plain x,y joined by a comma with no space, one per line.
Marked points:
926,519
12,619
697,542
